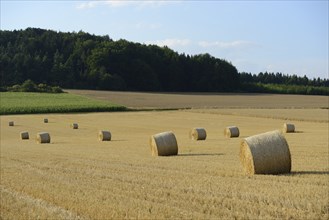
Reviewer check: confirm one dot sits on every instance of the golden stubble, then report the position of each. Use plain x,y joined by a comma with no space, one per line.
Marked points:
77,176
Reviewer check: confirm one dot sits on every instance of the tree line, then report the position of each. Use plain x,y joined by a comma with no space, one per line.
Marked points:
80,60
280,78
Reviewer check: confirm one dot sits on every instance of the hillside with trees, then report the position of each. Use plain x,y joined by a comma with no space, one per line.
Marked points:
80,60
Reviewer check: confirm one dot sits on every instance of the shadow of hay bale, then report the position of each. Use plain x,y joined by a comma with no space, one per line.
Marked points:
297,173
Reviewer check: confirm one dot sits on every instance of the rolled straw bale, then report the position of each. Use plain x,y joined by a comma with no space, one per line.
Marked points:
74,126
198,134
104,135
25,135
43,137
45,120
288,128
266,153
231,131
11,123
164,144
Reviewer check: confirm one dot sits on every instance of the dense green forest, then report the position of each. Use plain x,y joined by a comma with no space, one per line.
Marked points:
85,61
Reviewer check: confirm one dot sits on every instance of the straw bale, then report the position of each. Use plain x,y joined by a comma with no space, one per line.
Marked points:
25,135
198,134
43,137
11,123
164,144
231,131
288,128
74,126
104,135
45,120
266,153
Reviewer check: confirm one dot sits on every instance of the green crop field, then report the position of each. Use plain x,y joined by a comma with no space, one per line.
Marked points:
29,103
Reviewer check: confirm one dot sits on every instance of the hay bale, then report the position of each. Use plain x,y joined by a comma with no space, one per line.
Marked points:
198,134
74,126
266,153
104,135
288,128
11,123
43,137
45,120
25,135
231,131
164,144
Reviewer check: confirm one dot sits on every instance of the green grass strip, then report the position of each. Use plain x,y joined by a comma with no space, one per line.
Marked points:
34,103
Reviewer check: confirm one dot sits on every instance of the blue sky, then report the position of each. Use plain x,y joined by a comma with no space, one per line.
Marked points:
277,36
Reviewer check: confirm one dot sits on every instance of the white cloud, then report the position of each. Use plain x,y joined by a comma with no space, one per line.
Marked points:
171,42
124,3
119,3
228,45
232,49
90,4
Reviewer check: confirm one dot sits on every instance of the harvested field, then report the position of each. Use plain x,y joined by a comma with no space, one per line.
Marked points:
146,100
311,115
78,177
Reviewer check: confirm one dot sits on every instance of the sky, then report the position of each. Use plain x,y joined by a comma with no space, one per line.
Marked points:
290,37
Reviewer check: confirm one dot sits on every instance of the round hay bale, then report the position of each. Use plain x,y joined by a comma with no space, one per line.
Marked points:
43,137
11,123
266,153
74,126
45,120
25,135
198,134
288,128
104,135
231,131
164,144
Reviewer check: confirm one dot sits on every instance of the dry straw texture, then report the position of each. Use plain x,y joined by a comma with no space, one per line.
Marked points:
45,120
78,176
198,134
164,144
74,126
25,135
104,136
266,153
231,131
288,128
43,137
11,123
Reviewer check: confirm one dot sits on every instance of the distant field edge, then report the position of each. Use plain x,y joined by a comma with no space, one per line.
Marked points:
69,110
13,103
174,100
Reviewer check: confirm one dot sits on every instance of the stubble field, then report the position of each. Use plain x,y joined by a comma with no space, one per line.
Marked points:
78,177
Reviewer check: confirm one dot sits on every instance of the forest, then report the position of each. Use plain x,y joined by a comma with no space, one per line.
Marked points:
79,60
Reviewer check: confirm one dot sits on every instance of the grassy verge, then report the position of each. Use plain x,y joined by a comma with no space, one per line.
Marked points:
32,103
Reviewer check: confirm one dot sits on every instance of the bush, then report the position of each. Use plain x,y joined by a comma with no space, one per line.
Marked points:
30,86
43,87
56,89
15,88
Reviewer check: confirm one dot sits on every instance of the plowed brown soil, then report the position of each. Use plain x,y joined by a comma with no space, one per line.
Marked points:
206,100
